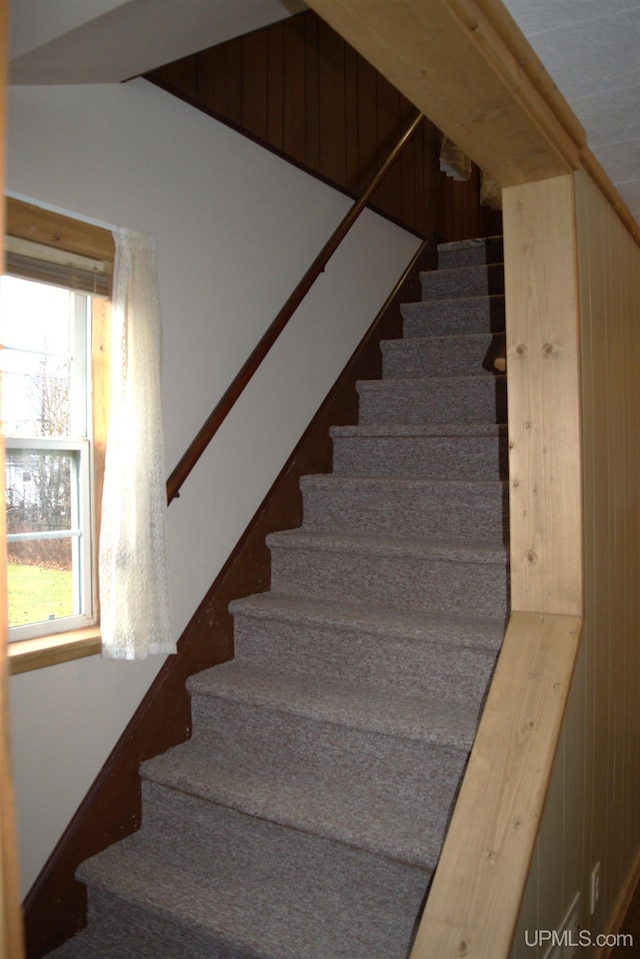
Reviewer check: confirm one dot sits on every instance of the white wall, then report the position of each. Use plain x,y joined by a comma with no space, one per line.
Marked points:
236,228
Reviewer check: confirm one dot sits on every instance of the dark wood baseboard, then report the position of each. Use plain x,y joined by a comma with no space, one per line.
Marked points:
55,908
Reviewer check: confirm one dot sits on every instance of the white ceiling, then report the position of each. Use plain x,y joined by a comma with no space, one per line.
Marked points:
591,49
105,41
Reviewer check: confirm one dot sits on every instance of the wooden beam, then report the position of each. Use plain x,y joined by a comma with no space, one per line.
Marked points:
473,905
31,654
543,370
459,68
30,222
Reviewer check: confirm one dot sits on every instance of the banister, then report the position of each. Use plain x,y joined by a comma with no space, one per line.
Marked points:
242,378
477,889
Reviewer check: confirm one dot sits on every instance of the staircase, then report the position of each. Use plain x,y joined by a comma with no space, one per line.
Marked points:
304,818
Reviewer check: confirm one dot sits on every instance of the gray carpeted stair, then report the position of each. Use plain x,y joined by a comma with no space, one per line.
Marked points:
304,818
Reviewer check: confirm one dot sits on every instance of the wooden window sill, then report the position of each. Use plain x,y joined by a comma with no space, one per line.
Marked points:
28,654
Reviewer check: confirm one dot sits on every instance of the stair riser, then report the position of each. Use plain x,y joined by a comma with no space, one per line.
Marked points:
468,457
446,512
481,399
440,356
416,582
483,314
426,772
130,930
464,282
230,845
459,675
470,253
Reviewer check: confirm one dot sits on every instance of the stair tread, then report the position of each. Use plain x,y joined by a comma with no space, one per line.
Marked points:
413,342
404,482
462,268
379,620
265,891
419,429
470,552
430,304
415,382
354,808
342,703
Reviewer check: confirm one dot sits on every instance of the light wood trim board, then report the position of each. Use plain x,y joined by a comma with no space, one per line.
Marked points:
473,905
543,376
30,222
448,58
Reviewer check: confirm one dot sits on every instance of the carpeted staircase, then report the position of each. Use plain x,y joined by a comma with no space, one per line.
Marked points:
305,816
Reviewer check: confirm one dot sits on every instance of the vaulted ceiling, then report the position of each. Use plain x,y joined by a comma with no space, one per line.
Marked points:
591,49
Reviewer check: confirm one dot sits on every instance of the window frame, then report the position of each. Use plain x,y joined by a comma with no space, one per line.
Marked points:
27,221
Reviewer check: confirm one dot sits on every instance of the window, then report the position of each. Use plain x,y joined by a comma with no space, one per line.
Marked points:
54,329
46,411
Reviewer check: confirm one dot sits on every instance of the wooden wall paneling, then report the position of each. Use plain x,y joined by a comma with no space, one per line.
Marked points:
441,187
575,865
389,132
255,84
633,539
182,75
351,118
275,86
434,194
529,908
473,209
619,517
456,208
408,174
600,584
331,77
367,124
551,846
220,79
592,368
465,204
421,175
294,103
299,89
448,209
312,92
634,362
610,343
589,440
630,285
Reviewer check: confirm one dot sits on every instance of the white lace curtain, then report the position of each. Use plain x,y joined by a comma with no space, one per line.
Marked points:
135,608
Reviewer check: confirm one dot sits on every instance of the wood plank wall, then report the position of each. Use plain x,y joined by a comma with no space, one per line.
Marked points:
299,89
591,814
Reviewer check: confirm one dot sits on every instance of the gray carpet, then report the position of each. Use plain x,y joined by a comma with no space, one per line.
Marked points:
304,818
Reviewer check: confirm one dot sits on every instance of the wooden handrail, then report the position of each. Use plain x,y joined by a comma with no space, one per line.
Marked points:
242,378
476,893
